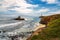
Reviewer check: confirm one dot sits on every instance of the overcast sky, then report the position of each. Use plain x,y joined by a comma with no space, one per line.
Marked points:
29,7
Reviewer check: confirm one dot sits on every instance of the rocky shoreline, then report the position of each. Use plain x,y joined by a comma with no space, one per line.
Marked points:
37,30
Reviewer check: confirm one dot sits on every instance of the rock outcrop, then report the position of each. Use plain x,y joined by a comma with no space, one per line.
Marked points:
46,19
19,18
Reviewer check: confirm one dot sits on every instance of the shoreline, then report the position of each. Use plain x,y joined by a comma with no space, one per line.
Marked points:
37,30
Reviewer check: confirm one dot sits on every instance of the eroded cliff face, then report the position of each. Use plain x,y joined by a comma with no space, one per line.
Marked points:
46,19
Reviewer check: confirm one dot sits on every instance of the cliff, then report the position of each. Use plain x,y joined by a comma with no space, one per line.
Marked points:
46,19
52,31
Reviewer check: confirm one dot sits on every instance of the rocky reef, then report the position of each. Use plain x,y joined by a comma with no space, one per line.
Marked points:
19,18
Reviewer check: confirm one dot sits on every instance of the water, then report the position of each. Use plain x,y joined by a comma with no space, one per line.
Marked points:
14,27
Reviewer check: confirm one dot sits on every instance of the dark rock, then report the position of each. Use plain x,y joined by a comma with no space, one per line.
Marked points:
19,18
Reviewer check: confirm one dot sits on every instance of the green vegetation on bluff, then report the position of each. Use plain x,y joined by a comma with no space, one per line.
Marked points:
52,32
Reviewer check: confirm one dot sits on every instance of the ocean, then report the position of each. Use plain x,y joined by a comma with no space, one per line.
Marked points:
15,27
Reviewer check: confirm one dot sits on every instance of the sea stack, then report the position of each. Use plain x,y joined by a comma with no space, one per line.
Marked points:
19,18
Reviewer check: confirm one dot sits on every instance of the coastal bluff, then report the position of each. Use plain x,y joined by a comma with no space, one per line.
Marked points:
51,31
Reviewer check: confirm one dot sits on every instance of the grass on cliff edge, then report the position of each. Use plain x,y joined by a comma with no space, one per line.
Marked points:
52,32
